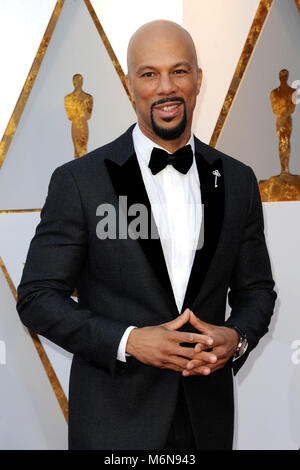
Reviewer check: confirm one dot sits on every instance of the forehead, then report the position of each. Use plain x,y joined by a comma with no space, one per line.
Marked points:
161,49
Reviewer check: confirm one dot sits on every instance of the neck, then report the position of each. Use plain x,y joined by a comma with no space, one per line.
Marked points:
169,145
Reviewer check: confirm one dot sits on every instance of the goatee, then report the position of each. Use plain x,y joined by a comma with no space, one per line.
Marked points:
174,132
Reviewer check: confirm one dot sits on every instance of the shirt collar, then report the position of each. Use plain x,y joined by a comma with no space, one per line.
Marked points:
143,145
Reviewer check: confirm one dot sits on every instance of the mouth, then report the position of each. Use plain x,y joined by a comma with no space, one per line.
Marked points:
168,110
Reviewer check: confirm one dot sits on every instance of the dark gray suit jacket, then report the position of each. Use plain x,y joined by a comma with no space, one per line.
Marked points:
122,282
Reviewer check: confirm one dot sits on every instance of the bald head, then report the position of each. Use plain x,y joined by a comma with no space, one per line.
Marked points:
156,34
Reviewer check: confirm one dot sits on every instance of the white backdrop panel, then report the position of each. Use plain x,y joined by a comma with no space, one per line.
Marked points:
219,29
16,232
22,26
268,385
112,13
30,416
43,138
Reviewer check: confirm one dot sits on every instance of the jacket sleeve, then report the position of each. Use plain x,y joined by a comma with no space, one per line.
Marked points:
54,263
252,296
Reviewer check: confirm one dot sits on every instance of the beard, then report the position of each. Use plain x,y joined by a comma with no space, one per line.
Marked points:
170,133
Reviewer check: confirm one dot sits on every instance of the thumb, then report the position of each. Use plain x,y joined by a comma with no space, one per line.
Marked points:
179,321
199,324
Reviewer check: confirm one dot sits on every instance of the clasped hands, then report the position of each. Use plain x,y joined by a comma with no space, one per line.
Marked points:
162,345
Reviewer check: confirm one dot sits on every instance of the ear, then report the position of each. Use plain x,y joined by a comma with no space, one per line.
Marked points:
129,87
199,80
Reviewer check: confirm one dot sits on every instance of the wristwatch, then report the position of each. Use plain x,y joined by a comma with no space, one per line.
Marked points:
242,345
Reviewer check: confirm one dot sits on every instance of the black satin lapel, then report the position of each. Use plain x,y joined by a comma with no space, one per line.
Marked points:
127,181
212,196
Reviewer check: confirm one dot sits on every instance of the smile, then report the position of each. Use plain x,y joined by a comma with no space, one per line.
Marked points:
168,110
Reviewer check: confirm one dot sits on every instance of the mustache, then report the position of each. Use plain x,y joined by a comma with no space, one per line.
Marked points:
168,100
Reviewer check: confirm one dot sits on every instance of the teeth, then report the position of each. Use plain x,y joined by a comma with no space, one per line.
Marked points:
168,108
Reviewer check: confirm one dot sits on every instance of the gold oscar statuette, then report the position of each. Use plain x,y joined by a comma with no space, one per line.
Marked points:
286,186
79,106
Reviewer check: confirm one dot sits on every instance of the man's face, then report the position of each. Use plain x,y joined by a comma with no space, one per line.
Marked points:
164,81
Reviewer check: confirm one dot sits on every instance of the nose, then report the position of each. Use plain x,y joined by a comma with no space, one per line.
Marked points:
166,85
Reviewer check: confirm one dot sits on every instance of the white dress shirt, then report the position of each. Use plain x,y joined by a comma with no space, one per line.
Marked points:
175,200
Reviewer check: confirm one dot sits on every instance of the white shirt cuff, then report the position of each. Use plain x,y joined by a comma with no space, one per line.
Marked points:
121,354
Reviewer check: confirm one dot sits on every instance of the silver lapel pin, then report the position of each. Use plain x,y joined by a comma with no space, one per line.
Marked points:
217,175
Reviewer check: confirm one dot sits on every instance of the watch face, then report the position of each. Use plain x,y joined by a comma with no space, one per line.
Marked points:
243,347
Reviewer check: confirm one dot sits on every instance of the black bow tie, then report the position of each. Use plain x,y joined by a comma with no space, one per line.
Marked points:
181,160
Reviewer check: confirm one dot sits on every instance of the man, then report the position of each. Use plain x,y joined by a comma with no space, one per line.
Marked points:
153,356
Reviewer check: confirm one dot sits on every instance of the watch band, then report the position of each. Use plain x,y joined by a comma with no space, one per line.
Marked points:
242,344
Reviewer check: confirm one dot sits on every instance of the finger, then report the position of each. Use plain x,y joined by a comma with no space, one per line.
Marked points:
204,370
175,363
219,351
200,371
199,324
205,357
179,321
187,353
196,363
203,347
185,337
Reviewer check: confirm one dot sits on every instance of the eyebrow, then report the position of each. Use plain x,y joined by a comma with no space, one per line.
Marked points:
151,67
183,63
144,67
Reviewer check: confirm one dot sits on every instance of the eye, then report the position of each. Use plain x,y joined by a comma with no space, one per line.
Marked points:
180,71
148,74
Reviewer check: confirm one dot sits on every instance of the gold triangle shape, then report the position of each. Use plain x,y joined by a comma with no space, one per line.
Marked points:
253,35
